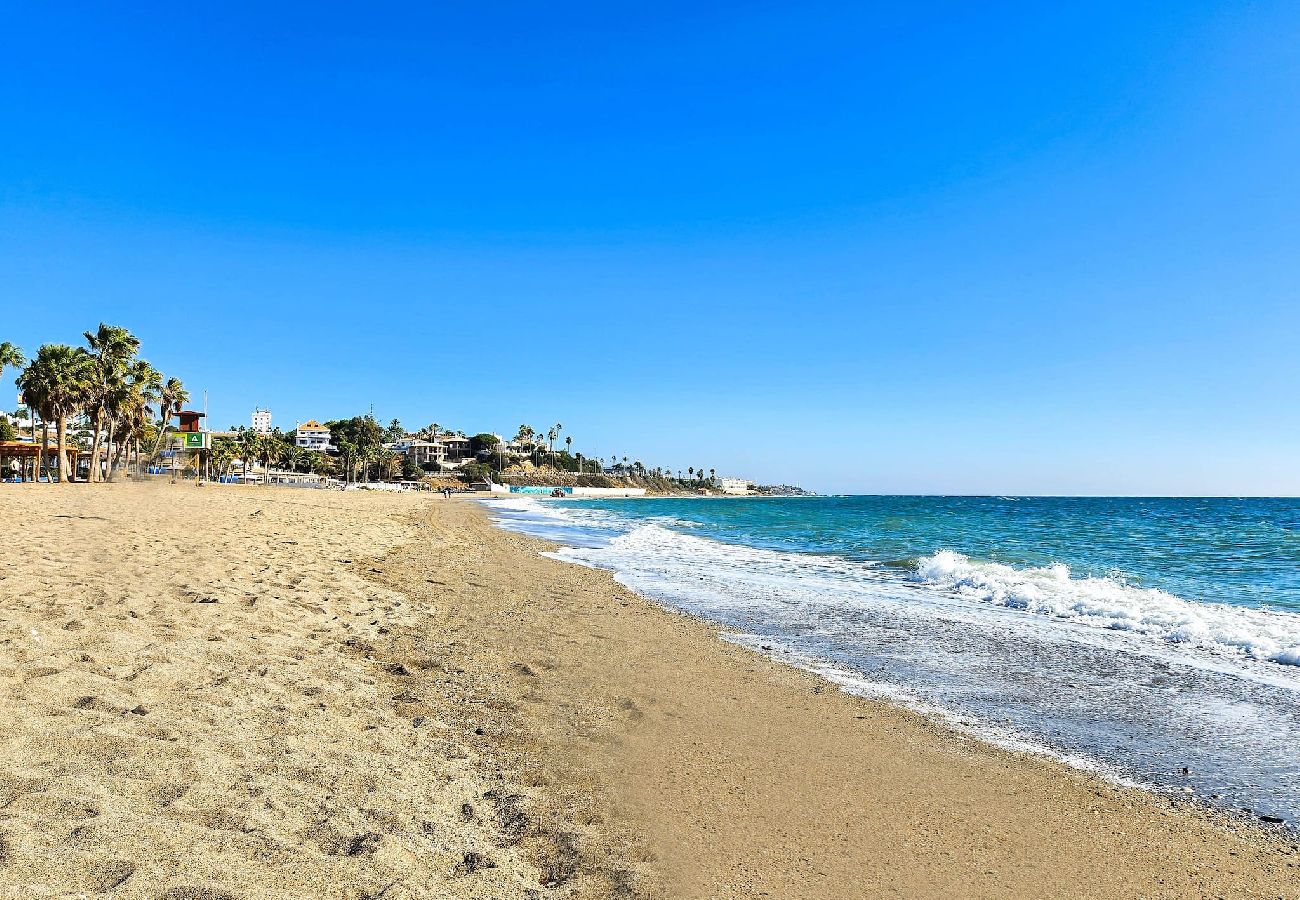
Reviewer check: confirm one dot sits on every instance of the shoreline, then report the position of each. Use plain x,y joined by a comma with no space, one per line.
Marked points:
1163,819
345,695
995,650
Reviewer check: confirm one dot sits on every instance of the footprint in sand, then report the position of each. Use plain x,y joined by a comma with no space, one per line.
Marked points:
195,893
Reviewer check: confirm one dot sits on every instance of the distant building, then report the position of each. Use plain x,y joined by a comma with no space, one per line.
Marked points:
734,485
262,421
447,450
312,435
455,449
419,451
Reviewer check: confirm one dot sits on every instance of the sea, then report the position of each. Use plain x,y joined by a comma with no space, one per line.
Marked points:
1155,641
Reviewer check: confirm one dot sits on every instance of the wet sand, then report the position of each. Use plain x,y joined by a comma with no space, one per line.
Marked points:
250,692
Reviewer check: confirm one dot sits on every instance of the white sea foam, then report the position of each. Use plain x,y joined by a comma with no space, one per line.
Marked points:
1109,604
525,506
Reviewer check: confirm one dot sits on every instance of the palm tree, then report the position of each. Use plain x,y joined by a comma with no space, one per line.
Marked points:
290,456
390,464
171,399
249,442
369,456
224,451
56,383
318,462
112,349
568,445
11,357
348,451
267,454
131,409
267,450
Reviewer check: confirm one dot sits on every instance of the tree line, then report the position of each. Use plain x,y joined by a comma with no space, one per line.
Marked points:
107,381
119,394
357,441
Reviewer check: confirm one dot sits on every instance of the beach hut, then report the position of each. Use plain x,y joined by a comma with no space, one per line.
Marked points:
19,451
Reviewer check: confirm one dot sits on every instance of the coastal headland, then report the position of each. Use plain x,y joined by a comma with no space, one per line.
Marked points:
225,692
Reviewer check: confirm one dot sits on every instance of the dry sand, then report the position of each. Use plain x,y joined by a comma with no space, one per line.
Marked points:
267,693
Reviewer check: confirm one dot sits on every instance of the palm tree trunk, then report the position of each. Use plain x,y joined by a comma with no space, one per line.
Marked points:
162,433
62,431
116,459
36,463
109,455
165,414
96,429
40,455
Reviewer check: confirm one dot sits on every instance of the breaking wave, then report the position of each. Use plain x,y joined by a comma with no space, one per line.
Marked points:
1107,603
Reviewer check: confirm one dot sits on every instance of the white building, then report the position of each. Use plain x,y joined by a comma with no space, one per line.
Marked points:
312,435
419,451
449,451
262,421
737,486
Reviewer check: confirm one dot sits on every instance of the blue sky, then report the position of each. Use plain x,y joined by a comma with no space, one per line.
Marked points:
997,248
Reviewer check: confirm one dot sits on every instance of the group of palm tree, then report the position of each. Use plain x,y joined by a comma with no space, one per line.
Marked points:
108,384
530,442
361,455
250,446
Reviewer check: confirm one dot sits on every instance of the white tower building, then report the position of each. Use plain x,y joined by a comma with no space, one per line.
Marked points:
262,421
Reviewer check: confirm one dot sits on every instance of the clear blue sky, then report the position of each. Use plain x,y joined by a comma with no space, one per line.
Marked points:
1006,248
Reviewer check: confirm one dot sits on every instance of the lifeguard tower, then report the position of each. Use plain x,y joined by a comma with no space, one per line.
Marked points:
191,445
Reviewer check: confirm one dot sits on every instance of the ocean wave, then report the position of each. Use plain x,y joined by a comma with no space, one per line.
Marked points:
1107,603
708,574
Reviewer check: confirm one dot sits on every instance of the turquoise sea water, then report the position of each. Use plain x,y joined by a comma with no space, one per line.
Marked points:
1138,637
1240,551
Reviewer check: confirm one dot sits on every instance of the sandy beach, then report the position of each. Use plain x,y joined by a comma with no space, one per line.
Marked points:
226,692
